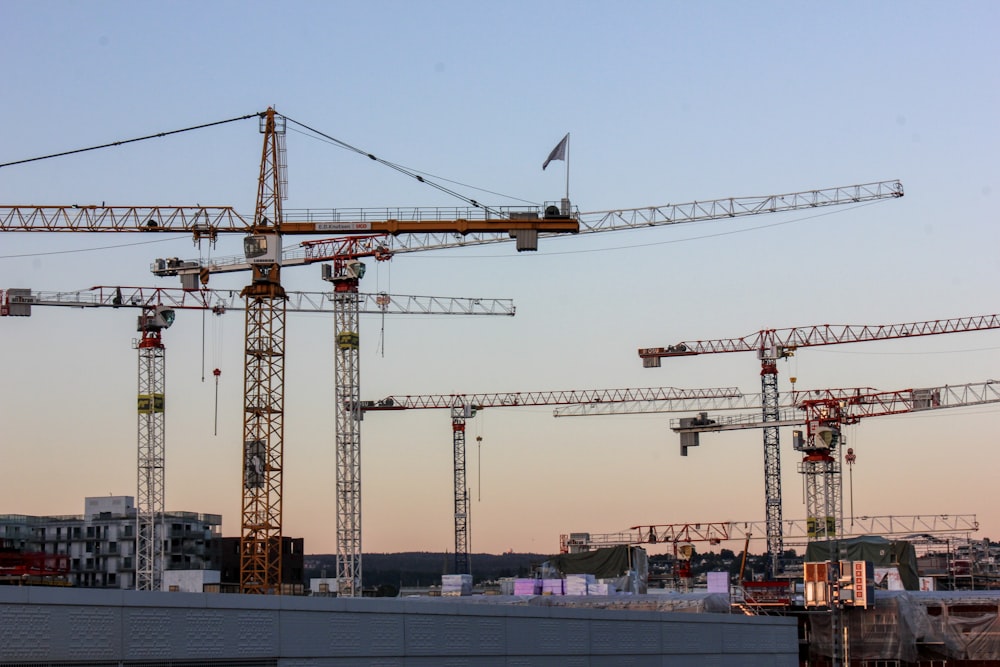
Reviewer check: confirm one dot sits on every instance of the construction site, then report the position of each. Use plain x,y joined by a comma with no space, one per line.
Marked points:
864,589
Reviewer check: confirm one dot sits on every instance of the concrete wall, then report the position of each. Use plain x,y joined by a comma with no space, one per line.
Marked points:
74,626
190,581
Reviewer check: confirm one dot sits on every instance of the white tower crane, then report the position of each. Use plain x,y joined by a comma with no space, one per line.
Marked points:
158,309
465,406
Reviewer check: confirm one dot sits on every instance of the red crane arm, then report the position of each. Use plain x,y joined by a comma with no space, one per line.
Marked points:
852,409
823,334
687,532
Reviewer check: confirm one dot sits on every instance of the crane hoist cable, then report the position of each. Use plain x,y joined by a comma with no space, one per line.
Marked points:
382,293
204,260
479,468
217,373
217,338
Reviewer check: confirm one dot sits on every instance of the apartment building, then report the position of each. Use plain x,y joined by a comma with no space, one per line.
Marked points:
99,545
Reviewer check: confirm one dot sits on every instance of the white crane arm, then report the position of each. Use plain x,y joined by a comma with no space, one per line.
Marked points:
591,222
15,302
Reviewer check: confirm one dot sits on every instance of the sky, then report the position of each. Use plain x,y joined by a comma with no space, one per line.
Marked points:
665,102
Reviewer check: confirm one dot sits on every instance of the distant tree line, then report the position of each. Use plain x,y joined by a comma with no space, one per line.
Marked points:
424,568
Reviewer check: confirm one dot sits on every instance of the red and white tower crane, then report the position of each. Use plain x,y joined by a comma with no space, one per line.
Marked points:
773,344
822,443
150,531
465,406
158,309
403,230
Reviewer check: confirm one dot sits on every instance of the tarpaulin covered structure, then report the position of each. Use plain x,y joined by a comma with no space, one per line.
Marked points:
627,566
877,550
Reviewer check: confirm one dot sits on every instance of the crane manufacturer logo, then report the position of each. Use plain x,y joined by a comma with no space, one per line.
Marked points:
343,226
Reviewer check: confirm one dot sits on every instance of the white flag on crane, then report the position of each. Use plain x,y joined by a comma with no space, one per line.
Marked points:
558,153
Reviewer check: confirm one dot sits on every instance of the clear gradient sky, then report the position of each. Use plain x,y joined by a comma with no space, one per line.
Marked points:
666,102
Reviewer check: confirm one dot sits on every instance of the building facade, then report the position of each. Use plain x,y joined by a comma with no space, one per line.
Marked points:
99,546
292,565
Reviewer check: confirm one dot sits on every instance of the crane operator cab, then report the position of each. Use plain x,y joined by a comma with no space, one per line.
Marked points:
349,272
156,319
262,248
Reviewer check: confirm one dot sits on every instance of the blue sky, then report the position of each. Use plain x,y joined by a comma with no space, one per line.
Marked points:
666,102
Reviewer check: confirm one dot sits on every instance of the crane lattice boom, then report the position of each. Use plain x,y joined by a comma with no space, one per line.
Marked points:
220,301
530,398
852,409
796,529
736,401
779,340
384,245
209,221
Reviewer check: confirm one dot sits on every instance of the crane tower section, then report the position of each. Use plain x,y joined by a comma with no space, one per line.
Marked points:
150,532
263,380
345,275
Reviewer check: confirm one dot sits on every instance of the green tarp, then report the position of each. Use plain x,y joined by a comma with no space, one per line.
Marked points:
602,563
877,550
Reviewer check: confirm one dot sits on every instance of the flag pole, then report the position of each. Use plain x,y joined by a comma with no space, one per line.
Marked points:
567,169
